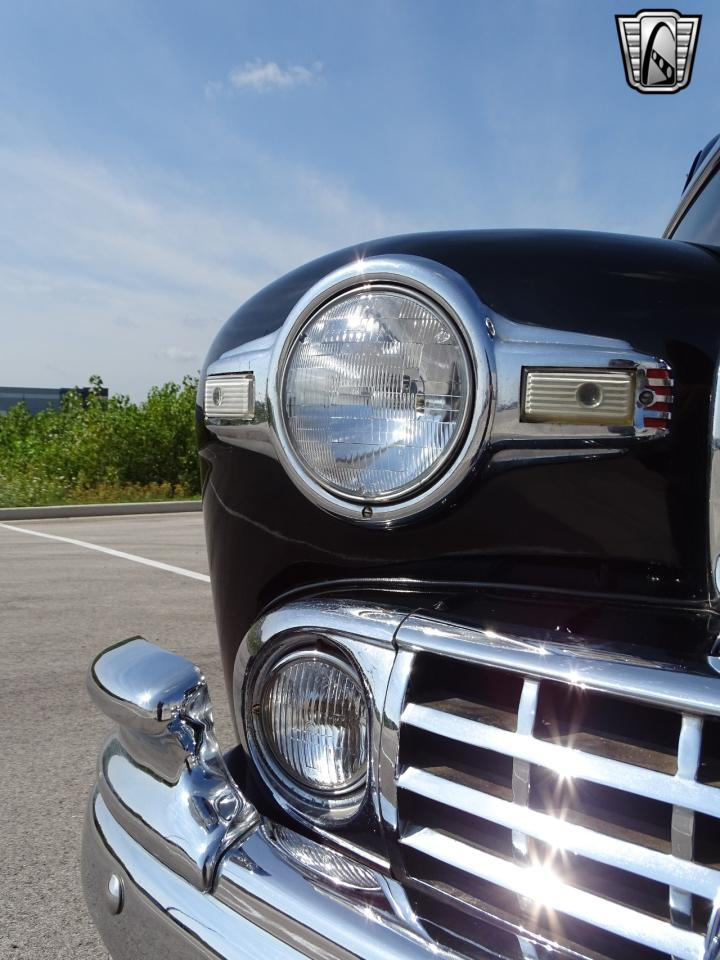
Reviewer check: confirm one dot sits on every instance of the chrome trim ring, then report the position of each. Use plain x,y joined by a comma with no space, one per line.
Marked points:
450,294
362,635
313,805
424,479
254,719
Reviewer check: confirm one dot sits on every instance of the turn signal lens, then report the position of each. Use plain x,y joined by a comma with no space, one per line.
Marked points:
323,862
603,397
314,721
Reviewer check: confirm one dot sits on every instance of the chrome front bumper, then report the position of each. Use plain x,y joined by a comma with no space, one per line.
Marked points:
176,862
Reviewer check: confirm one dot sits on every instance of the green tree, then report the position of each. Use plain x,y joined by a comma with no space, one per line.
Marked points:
101,449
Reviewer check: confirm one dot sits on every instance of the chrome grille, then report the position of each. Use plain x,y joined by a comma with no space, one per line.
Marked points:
567,796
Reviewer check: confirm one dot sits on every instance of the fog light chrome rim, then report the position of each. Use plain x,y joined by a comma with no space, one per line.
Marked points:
313,801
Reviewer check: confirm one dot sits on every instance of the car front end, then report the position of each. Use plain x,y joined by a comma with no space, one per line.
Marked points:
458,497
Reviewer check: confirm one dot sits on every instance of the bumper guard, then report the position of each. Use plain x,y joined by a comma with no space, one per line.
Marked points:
175,860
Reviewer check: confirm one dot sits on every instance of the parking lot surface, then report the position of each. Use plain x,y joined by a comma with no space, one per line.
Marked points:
60,604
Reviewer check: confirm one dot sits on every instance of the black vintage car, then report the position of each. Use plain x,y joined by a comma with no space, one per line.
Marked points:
462,501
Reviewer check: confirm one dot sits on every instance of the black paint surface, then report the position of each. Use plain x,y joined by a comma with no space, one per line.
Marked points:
634,525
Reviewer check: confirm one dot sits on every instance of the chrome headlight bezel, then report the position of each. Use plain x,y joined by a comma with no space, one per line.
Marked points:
316,806
451,296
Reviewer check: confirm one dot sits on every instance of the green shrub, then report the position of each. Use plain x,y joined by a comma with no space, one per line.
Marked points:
101,450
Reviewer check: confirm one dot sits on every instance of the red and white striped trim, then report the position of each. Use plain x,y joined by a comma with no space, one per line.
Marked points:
659,413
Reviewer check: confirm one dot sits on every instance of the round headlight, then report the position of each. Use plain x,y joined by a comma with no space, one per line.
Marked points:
313,721
376,393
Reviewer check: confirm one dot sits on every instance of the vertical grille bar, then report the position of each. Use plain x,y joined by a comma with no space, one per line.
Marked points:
619,780
683,819
527,710
521,768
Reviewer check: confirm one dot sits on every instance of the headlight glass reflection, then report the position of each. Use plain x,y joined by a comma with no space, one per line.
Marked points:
314,721
376,393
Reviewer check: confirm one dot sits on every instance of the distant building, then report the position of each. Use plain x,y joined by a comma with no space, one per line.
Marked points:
37,399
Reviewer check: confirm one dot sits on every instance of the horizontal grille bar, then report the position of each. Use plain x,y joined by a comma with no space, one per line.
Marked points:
542,887
649,683
563,835
558,790
567,761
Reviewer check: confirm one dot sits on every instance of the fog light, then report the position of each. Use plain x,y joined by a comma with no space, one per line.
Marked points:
313,722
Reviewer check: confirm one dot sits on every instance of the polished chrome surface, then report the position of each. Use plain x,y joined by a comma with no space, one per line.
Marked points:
161,773
714,482
541,837
527,710
500,351
702,177
683,818
453,296
712,940
389,741
163,914
140,685
565,835
362,634
543,888
264,904
519,347
584,667
252,357
229,397
176,862
568,761
115,893
314,913
200,875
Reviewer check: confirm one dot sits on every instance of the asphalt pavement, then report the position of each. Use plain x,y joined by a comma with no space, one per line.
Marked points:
60,604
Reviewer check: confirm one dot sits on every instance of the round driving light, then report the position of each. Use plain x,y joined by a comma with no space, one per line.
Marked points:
313,720
375,393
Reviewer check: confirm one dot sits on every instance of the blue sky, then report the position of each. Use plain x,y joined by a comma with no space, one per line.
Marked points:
160,161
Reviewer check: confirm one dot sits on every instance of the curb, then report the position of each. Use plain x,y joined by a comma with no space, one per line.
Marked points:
99,510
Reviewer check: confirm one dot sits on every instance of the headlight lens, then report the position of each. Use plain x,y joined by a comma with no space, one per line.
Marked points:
313,720
376,393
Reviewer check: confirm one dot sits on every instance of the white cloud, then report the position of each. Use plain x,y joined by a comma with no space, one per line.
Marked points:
178,355
108,266
259,76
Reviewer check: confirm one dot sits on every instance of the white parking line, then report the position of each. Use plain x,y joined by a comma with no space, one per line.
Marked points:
181,571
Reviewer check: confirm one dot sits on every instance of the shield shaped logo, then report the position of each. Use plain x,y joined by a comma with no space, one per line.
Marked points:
658,48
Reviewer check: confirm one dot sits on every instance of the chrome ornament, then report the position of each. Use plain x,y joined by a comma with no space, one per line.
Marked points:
448,297
492,428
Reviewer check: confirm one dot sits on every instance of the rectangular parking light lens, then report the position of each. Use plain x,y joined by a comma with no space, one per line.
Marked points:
580,396
230,397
